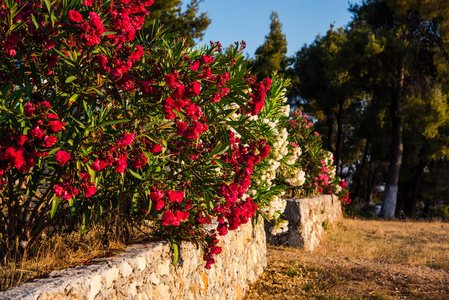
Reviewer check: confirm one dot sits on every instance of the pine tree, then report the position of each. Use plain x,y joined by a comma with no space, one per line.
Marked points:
271,56
187,23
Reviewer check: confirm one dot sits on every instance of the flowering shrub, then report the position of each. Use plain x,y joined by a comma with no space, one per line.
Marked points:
98,119
100,122
318,171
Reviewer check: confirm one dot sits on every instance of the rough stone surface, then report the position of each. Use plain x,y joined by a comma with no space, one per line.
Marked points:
308,219
146,272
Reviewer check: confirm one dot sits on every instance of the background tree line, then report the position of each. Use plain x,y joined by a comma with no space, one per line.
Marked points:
377,90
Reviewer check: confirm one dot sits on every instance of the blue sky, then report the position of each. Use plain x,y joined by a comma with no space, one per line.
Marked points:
249,20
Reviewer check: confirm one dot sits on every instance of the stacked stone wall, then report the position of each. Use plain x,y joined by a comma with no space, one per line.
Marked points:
308,218
147,272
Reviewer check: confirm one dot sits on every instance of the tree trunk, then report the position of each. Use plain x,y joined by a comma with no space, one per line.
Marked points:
391,187
330,124
361,171
339,136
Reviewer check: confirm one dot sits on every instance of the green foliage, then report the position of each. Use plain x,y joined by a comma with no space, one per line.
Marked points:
350,82
271,56
187,24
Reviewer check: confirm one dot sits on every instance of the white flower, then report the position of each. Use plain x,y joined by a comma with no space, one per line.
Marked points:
279,228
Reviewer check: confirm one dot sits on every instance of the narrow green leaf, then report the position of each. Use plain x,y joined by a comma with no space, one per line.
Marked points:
54,206
70,79
175,252
113,122
135,174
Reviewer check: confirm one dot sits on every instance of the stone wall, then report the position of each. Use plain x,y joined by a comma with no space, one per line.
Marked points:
147,272
308,219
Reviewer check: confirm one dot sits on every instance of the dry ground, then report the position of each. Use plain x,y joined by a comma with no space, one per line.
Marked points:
362,260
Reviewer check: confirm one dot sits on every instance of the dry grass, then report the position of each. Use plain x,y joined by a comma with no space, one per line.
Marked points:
59,252
363,260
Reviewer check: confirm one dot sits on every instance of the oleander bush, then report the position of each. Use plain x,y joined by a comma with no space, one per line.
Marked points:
102,122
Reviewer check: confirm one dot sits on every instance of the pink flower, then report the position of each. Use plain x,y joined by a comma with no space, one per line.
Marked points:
222,229
169,218
36,132
45,105
55,126
137,54
156,195
98,165
49,141
265,151
90,40
207,59
159,204
174,196
195,88
182,126
75,16
88,2
67,196
29,109
62,157
139,161
58,190
96,23
90,191
126,139
49,44
21,138
195,66
121,164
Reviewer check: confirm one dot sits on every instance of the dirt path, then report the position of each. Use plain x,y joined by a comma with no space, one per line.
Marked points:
363,260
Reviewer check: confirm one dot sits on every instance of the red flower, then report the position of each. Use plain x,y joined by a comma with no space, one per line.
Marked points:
159,204
169,218
58,190
126,139
62,157
96,23
156,195
139,160
55,126
49,44
195,66
75,16
121,164
36,132
207,59
90,191
49,141
29,109
195,88
265,151
137,54
98,165
21,139
175,196
222,229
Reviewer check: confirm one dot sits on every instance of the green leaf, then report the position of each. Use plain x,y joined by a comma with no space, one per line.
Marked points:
135,174
109,33
175,252
113,122
54,206
70,79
